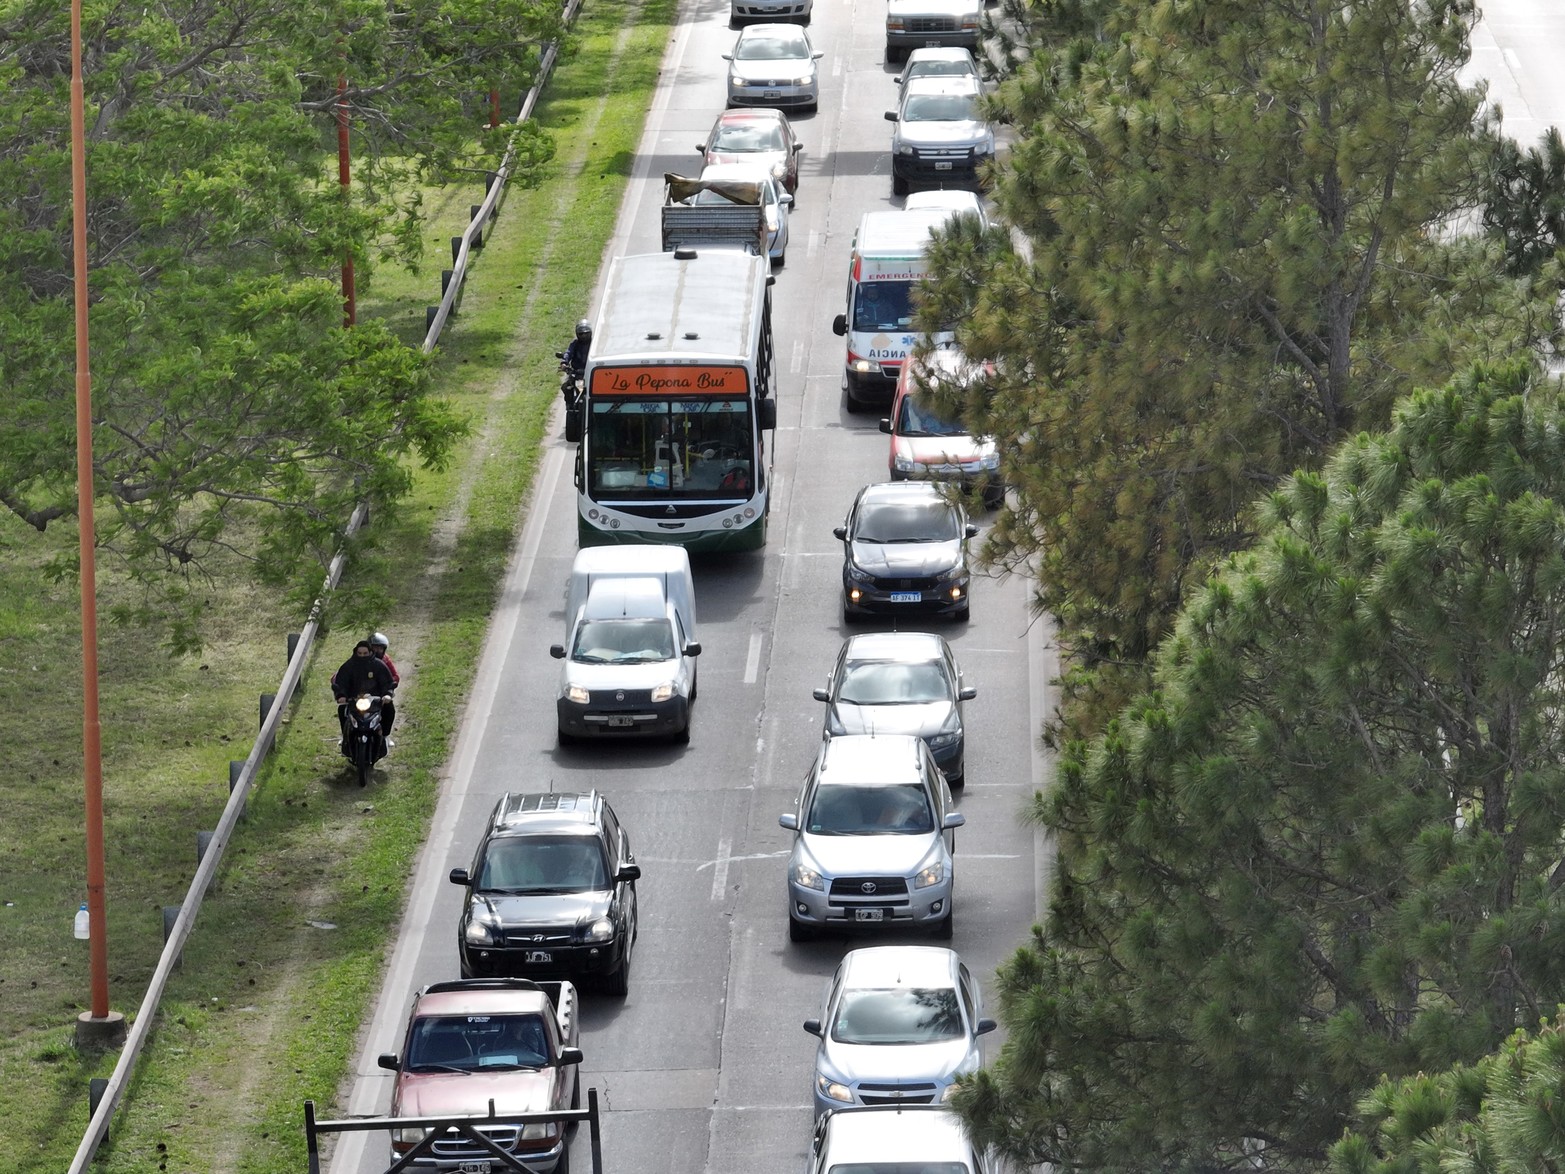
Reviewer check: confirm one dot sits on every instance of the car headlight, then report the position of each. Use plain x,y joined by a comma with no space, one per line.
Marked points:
540,1132
834,1090
931,874
952,573
856,573
577,694
990,463
946,738
946,1094
806,80
601,930
807,878
479,932
906,149
894,24
409,1136
663,692
905,464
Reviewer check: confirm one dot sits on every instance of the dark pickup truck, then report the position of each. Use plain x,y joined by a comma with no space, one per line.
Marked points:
511,1042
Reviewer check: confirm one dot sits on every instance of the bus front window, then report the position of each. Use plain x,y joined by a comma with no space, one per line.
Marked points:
662,450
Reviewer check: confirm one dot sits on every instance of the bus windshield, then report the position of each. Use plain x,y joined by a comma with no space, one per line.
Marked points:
670,449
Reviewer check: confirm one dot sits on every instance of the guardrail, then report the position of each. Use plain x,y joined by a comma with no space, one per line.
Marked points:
179,921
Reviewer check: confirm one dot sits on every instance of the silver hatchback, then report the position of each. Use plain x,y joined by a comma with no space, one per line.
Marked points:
874,831
900,1024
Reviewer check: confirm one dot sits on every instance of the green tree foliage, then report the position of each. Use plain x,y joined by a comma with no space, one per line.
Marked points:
1525,207
1326,846
1227,261
1501,1114
231,411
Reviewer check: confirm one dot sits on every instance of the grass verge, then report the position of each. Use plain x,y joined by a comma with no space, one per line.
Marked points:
287,956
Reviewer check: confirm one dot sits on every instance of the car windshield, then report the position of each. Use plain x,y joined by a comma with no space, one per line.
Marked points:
623,641
893,683
543,864
772,46
883,305
475,1043
931,520
847,810
940,108
899,1168
749,137
913,419
899,1015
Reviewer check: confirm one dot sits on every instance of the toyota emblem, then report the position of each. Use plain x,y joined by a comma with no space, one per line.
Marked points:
867,887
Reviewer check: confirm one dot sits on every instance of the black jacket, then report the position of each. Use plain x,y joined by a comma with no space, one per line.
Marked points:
362,674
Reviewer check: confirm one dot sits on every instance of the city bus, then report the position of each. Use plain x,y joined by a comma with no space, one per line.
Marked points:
671,431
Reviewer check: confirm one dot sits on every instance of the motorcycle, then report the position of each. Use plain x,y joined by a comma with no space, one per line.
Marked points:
572,387
365,743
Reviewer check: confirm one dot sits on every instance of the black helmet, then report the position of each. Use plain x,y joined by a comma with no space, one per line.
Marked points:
584,330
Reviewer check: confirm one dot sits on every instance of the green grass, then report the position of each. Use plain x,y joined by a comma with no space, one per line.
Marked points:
265,1009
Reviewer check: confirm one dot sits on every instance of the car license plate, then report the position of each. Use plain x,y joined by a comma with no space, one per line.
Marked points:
771,94
942,165
621,722
539,957
869,915
904,597
475,1168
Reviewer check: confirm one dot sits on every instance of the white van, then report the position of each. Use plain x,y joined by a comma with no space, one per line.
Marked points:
887,261
629,660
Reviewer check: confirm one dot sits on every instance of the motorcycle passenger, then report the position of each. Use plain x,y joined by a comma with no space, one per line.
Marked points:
361,673
388,709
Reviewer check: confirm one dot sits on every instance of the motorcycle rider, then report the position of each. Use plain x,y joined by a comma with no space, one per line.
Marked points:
576,354
361,673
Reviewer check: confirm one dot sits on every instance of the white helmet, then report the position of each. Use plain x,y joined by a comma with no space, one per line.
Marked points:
378,640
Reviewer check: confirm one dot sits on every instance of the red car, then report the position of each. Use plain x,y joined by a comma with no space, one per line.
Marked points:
760,135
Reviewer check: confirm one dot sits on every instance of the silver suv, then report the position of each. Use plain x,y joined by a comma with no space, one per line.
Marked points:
926,1138
874,833
941,136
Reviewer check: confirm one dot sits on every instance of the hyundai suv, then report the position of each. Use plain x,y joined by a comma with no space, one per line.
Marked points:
941,135
874,831
552,892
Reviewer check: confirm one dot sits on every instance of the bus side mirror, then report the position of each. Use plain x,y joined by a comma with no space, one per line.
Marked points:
839,324
766,413
572,425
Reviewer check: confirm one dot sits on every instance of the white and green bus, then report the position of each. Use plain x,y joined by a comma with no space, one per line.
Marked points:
671,431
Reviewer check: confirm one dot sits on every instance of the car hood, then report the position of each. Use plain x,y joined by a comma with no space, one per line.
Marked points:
774,161
772,68
960,133
895,855
618,676
444,1094
906,559
922,719
547,910
945,450
896,1063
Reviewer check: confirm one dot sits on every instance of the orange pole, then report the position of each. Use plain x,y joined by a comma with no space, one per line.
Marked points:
91,747
349,308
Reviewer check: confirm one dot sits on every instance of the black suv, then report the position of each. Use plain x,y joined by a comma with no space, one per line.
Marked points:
552,892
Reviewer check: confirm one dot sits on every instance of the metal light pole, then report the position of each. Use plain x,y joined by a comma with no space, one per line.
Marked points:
99,1026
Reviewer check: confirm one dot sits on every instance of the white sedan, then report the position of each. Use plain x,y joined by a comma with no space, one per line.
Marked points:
773,65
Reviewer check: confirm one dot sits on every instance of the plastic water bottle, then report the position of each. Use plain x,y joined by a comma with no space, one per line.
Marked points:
82,930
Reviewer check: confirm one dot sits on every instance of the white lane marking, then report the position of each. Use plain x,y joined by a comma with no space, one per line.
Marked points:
720,873
727,860
812,246
752,664
796,361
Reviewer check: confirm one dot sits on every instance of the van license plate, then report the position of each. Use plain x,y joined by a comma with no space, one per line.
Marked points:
869,915
620,723
904,597
539,957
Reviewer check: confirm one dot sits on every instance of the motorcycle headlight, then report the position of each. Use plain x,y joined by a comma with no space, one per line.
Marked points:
601,930
362,704
834,1090
931,874
663,692
577,694
807,878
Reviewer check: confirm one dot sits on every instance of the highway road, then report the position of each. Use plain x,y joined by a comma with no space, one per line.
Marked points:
705,1066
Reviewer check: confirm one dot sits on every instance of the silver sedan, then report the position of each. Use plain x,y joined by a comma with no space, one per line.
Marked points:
773,65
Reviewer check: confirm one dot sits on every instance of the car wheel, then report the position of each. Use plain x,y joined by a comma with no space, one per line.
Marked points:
563,1166
777,261
893,55
800,933
618,983
946,928
994,497
898,186
564,739
682,735
956,782
962,614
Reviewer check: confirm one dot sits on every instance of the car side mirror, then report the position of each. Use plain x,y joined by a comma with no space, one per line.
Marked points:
797,147
972,530
459,877
557,651
728,56
629,872
813,1026
953,819
700,148
841,533
786,200
817,55
967,692
821,695
897,80
885,425
985,1026
891,116
390,1061
839,324
567,1057
789,821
